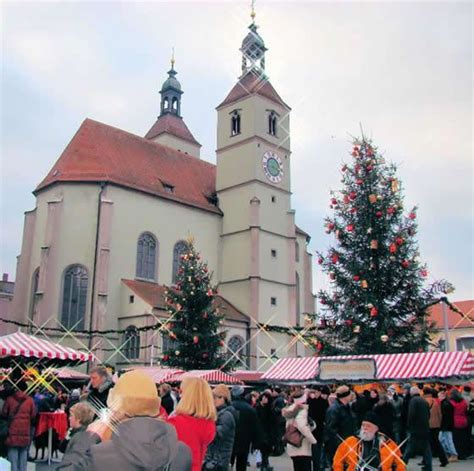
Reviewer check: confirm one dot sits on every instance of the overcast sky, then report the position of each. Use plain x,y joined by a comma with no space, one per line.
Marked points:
402,69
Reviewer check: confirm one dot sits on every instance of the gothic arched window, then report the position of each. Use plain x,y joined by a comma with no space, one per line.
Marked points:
272,124
131,343
235,123
180,248
34,290
236,345
146,256
74,299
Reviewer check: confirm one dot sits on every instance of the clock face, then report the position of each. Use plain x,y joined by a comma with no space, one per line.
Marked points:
272,166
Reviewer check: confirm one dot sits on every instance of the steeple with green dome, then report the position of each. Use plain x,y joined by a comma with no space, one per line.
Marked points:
171,93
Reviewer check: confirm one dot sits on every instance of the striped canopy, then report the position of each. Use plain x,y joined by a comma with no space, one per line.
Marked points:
398,366
30,346
250,376
157,374
211,376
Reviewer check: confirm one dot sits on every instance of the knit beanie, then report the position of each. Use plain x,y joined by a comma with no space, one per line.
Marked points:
372,418
222,390
135,394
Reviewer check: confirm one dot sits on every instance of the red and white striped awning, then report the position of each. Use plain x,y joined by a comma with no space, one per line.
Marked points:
250,376
156,373
30,346
69,373
211,376
398,366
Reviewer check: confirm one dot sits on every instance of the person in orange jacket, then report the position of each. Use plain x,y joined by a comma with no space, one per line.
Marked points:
370,451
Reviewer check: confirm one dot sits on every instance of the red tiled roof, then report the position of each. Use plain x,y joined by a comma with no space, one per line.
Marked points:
154,295
102,153
455,320
251,84
171,124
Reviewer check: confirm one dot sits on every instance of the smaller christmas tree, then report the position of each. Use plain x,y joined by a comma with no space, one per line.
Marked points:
194,324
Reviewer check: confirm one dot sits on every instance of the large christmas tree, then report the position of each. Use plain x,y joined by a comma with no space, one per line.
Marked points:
377,302
194,326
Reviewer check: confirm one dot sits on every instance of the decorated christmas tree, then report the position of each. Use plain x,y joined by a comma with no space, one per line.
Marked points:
377,302
194,325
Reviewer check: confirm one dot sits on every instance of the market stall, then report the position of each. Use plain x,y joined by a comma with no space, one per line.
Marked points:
158,374
430,366
211,376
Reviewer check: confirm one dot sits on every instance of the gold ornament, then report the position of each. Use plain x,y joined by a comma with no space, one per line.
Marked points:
364,284
356,329
384,338
374,244
394,185
372,198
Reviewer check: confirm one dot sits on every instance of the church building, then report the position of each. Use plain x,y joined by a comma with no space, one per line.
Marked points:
113,215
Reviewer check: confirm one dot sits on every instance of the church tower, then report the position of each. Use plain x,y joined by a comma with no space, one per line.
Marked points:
170,128
258,270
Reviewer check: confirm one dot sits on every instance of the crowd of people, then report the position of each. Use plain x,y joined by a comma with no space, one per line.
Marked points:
135,425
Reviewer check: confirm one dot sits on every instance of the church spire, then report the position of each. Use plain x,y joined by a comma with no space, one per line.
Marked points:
171,92
253,48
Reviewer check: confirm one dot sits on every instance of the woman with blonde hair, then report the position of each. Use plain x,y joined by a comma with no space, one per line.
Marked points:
195,418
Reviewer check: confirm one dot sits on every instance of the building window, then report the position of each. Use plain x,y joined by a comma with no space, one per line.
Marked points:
274,253
131,343
297,252
235,123
146,257
167,187
131,299
180,248
272,123
74,299
465,344
273,301
274,199
236,347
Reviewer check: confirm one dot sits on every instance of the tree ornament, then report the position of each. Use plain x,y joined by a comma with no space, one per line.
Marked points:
405,263
353,210
352,195
177,353
195,340
222,343
205,355
374,312
166,357
373,198
369,230
178,307
412,215
379,214
356,329
374,244
348,322
349,228
209,292
359,181
384,338
356,277
334,201
390,211
364,284
344,168
394,185
320,261
424,273
370,305
355,151
332,276
399,240
392,248
334,258
369,168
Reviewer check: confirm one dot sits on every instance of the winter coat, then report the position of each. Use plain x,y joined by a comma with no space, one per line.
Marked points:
137,444
219,451
460,413
98,396
447,416
435,412
300,421
168,403
20,411
248,429
348,454
317,411
340,425
386,416
196,433
266,417
75,447
418,422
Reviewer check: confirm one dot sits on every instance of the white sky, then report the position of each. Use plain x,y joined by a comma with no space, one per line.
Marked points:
402,69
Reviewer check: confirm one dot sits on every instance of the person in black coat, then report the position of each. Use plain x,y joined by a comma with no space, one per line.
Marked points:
385,414
248,429
418,428
267,421
317,408
166,399
340,423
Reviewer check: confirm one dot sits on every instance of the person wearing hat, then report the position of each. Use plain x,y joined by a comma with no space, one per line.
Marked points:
317,407
340,423
219,452
248,429
371,450
397,403
132,438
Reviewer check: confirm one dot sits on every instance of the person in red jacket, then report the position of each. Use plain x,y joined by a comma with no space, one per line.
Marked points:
195,418
19,409
460,431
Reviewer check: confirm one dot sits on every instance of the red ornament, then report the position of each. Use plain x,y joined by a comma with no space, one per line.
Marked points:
355,152
405,263
195,339
369,168
399,240
346,199
319,346
320,261
344,168
352,195
332,276
379,214
334,201
205,355
349,322
390,210
323,301
370,152
334,258
349,228
424,273
353,210
374,312
412,216
205,316
359,181
356,277
331,226
392,248
209,292
166,357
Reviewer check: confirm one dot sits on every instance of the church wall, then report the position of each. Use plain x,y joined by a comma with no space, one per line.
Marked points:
235,253
238,294
274,268
179,144
281,313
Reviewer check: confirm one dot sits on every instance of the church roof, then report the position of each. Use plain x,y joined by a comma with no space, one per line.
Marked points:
298,230
171,124
154,295
102,153
253,84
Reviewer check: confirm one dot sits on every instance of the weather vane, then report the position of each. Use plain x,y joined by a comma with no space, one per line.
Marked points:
172,57
252,14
